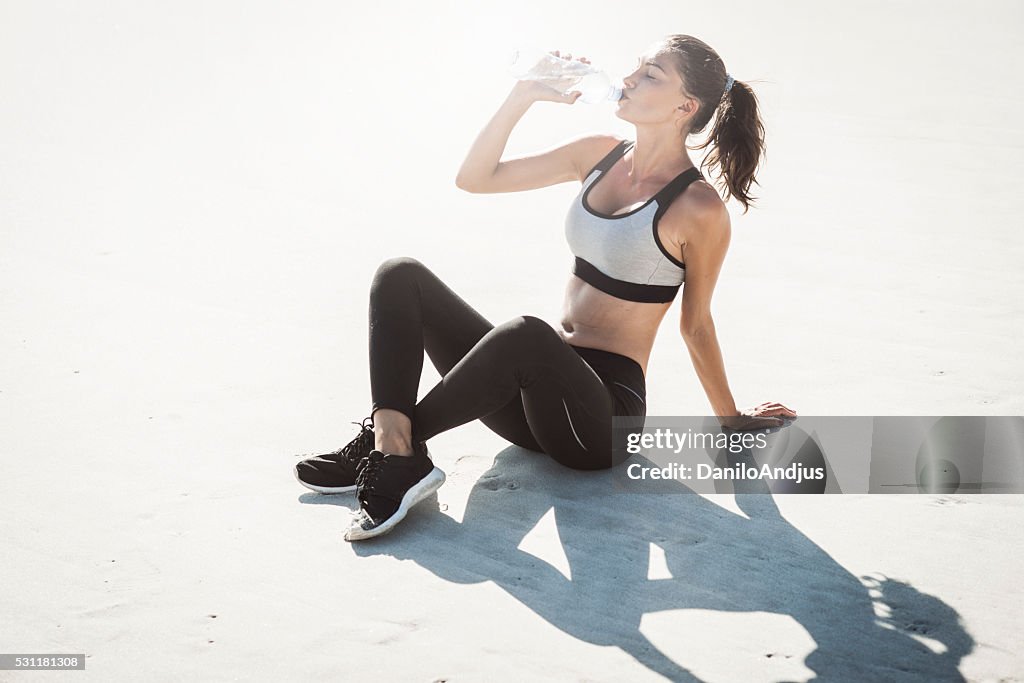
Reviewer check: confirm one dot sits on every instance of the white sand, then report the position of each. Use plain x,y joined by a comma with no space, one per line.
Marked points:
193,200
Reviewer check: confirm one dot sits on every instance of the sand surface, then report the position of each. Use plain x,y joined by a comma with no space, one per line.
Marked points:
193,199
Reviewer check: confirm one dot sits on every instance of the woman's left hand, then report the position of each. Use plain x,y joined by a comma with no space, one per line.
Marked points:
766,415
769,409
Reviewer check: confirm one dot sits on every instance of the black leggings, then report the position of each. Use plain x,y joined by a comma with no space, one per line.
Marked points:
520,378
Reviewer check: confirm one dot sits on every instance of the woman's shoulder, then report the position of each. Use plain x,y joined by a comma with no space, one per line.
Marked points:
697,212
594,147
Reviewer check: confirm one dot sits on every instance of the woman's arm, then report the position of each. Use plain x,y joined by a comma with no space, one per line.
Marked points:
485,154
707,361
706,233
483,172
703,226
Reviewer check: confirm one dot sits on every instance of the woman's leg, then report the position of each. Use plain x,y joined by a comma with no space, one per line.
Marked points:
567,407
520,378
412,310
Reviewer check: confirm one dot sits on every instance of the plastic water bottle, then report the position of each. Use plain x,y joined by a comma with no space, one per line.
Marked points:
564,75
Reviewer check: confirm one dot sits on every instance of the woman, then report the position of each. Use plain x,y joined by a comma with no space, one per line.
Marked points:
643,222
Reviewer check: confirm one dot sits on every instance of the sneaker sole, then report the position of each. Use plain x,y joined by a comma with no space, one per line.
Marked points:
417,493
326,490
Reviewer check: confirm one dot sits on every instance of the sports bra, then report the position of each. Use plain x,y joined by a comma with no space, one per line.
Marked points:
622,254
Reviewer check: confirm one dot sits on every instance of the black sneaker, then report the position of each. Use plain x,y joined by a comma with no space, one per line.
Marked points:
336,472
388,485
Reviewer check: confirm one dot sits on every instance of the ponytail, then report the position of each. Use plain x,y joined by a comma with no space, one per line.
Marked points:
737,134
738,137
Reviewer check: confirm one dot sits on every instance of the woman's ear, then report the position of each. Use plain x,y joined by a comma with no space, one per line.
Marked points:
687,110
689,106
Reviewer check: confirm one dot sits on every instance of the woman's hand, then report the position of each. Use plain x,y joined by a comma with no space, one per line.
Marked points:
758,417
539,91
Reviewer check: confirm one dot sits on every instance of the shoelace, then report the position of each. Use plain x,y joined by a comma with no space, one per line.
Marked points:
353,447
366,474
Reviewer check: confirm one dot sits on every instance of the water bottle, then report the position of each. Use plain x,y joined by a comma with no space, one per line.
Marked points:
564,75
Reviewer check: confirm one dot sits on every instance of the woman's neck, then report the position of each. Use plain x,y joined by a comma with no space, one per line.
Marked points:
657,155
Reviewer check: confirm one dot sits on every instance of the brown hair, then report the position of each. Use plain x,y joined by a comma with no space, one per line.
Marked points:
737,133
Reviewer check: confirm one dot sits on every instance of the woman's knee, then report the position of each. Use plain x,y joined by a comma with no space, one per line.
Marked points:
526,332
397,265
397,268
527,326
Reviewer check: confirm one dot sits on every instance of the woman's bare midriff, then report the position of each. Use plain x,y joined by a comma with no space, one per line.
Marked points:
596,320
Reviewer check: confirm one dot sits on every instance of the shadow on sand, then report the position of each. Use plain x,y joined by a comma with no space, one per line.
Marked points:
719,561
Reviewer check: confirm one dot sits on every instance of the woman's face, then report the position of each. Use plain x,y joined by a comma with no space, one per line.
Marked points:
653,93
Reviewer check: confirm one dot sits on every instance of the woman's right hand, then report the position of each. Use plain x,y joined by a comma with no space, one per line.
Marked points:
538,91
